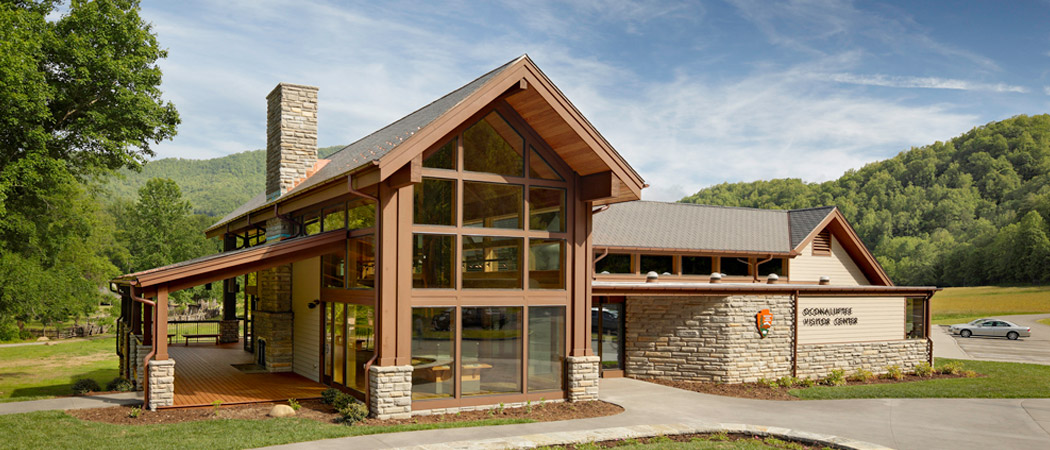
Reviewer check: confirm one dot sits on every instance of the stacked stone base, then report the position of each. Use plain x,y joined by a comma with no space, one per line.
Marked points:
275,331
229,331
137,356
390,391
161,383
583,377
818,360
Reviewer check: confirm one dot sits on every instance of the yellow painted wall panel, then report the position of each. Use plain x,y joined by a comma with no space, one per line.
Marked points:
306,287
839,267
825,320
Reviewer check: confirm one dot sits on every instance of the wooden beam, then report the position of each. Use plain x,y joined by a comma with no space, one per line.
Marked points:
160,340
598,186
411,173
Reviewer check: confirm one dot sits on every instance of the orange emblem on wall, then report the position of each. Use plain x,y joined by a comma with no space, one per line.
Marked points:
764,320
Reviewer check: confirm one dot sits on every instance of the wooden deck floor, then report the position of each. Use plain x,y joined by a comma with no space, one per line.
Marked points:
204,374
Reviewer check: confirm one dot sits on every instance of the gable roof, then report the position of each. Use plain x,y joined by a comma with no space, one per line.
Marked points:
802,222
374,146
689,227
386,148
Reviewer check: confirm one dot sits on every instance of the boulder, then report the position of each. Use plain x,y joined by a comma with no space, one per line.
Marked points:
281,411
42,339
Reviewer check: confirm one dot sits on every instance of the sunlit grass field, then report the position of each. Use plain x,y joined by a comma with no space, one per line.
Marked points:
34,372
963,304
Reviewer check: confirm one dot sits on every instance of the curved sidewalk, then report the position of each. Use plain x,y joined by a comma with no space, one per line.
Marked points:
904,424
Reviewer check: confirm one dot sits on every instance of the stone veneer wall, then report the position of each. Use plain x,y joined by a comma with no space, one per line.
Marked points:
817,360
708,338
390,391
229,331
583,377
138,354
291,136
161,383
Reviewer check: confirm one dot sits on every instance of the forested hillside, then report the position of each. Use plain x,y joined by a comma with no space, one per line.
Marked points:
969,211
213,186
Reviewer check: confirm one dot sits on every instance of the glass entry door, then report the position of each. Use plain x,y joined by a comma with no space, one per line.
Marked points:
607,324
348,344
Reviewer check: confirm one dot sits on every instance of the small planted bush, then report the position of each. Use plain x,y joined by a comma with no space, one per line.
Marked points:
328,396
924,369
294,404
352,413
85,385
119,384
786,382
951,368
836,377
893,372
807,382
968,373
135,412
861,375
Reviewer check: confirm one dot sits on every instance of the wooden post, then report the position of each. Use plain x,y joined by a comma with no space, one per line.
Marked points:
161,341
387,262
403,316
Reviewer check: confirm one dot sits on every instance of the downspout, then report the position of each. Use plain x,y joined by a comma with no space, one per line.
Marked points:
605,252
152,349
759,263
794,339
368,365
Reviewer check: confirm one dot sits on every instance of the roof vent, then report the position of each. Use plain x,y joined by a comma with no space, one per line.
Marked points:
772,278
651,277
716,277
825,279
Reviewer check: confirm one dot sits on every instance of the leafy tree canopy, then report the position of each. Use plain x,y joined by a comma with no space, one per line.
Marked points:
972,210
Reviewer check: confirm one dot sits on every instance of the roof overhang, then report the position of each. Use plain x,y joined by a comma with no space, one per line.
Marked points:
222,266
708,289
843,231
546,109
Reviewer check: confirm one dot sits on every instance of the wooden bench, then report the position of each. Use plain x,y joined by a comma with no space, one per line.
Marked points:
200,336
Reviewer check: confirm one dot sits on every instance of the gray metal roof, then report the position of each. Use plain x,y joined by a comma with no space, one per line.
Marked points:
688,226
372,147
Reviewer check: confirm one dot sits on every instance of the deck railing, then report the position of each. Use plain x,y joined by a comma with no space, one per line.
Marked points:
177,328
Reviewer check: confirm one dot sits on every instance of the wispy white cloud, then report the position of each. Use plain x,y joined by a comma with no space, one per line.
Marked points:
921,82
1046,90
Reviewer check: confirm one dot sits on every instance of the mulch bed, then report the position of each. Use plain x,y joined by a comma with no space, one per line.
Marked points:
764,392
707,437
315,410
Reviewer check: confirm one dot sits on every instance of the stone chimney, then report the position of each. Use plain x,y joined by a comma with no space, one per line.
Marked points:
291,136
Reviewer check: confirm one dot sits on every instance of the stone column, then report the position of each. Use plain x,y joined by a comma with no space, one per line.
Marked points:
390,391
137,355
291,136
161,383
229,330
583,377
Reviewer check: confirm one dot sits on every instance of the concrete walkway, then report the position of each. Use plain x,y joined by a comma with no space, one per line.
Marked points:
78,402
959,424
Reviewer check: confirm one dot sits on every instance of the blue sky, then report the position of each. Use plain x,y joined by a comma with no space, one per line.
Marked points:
690,93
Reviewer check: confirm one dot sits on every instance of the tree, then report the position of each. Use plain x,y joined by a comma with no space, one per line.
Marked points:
79,98
158,230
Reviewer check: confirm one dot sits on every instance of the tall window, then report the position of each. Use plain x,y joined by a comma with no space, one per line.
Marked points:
915,318
490,236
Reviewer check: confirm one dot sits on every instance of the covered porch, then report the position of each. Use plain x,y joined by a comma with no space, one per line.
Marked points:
209,373
205,369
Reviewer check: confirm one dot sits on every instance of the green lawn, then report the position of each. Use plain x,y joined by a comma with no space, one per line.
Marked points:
1001,380
58,430
33,372
960,305
1044,321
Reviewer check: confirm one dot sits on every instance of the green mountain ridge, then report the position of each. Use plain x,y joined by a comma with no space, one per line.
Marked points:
213,186
968,211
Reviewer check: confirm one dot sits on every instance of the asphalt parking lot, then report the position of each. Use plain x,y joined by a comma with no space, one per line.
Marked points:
1035,349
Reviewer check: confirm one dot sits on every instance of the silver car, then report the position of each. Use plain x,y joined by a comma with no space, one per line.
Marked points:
991,327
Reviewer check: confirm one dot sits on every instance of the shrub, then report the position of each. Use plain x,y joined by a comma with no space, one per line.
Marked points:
135,412
893,372
342,400
8,333
25,335
924,369
119,384
807,382
294,404
968,373
85,385
951,368
328,396
786,382
836,377
861,375
772,384
352,413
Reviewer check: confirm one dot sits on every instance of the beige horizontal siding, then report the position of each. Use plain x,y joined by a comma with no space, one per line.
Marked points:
878,319
306,287
839,266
